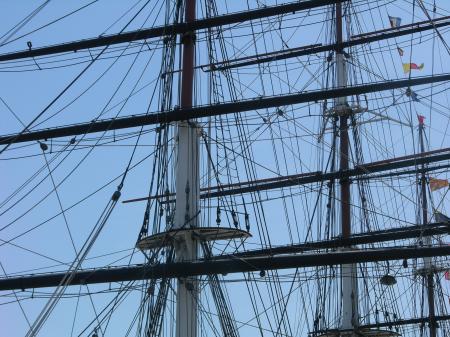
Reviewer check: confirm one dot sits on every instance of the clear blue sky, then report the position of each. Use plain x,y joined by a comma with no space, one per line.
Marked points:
28,90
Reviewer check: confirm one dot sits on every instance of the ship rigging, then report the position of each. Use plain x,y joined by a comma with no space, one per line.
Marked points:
296,180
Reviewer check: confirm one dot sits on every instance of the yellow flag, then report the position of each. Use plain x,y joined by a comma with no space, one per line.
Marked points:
436,184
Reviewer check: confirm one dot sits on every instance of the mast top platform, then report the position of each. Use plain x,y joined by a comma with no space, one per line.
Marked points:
359,332
201,233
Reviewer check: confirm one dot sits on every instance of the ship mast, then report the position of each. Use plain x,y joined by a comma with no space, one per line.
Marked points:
187,188
349,290
428,266
187,266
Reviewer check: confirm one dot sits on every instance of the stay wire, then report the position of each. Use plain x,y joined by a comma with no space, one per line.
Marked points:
69,85
48,24
76,311
65,218
123,105
12,195
17,299
70,274
423,8
55,189
76,203
43,316
22,23
52,102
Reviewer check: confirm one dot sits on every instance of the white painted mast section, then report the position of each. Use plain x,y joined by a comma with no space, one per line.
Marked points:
349,281
186,216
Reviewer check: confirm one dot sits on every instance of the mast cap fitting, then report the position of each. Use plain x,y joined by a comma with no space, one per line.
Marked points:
188,37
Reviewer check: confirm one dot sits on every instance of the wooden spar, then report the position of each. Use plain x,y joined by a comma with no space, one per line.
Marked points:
393,323
178,28
215,110
356,40
222,20
244,264
393,234
318,176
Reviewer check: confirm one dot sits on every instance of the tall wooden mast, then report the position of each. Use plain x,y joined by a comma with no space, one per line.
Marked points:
428,265
349,289
187,188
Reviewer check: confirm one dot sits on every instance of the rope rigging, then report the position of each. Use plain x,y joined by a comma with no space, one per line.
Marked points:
239,153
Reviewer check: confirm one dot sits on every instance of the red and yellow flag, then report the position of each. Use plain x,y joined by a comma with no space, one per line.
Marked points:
436,184
407,67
